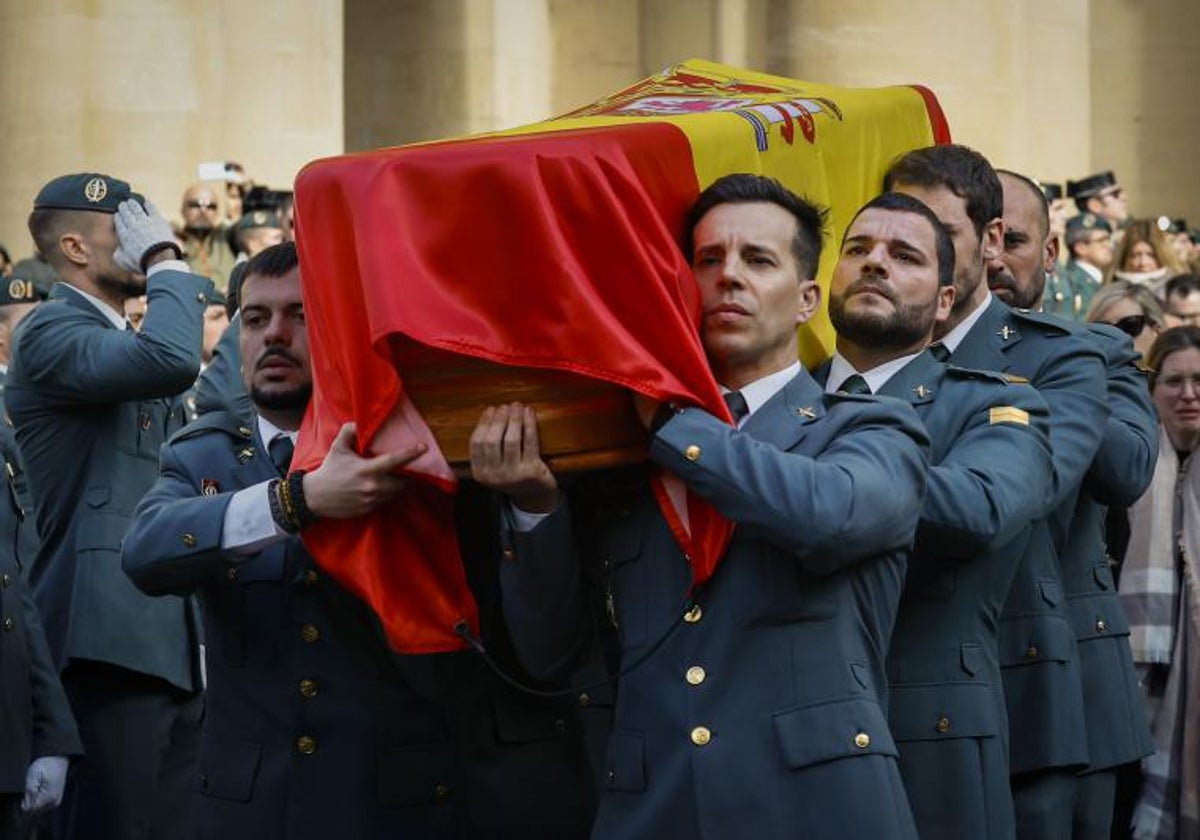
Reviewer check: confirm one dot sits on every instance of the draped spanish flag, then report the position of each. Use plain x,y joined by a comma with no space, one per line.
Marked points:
551,246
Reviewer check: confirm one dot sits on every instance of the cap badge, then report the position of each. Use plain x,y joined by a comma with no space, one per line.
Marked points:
20,289
95,190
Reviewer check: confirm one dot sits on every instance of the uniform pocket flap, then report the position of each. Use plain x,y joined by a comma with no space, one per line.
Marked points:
1038,638
268,564
1097,616
228,768
97,495
1051,591
937,712
100,531
1102,572
416,775
625,767
832,730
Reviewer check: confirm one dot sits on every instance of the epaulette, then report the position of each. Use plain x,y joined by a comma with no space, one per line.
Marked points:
1109,332
985,375
1043,320
215,421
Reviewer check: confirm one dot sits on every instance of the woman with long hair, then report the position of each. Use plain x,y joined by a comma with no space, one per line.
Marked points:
1132,309
1160,590
1145,258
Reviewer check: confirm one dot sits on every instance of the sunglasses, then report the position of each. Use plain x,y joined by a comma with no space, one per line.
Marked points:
201,205
1131,325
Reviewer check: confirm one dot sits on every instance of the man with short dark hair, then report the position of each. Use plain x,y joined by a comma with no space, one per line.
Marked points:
1038,656
988,480
1120,471
306,706
90,400
1030,246
1183,300
754,706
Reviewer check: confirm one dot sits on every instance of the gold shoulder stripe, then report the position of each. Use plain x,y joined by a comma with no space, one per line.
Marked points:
1017,380
1008,414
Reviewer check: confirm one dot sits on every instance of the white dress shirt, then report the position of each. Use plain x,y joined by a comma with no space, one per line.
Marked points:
840,370
952,339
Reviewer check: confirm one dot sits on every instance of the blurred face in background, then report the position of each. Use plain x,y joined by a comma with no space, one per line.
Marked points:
1141,258
200,209
1177,397
1128,317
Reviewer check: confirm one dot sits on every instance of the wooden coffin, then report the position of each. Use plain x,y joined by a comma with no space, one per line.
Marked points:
583,424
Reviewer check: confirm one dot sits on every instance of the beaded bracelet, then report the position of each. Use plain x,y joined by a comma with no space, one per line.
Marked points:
295,486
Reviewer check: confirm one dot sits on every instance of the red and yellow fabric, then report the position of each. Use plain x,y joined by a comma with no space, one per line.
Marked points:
554,245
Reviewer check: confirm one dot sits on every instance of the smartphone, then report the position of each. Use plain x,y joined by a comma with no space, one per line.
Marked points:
218,170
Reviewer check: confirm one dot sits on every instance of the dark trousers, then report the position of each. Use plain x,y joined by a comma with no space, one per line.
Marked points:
1044,803
14,823
142,739
1094,805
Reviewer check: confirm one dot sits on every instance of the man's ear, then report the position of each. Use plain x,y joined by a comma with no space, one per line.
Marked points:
993,240
1050,254
809,301
945,302
74,249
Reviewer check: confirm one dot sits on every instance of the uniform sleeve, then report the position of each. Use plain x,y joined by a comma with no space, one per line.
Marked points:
996,477
54,730
1072,382
543,601
174,541
77,361
1125,461
860,496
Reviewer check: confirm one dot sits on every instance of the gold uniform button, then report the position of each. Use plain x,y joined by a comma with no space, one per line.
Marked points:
306,745
862,740
232,573
694,614
695,675
1031,652
584,699
189,540
8,624
1100,625
508,554
692,453
5,580
308,688
441,791
943,725
701,736
310,576
309,633
200,297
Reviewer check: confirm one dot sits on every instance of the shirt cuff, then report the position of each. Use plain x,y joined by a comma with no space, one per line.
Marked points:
249,526
522,520
165,265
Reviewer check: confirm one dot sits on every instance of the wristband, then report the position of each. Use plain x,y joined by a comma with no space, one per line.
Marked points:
275,492
295,491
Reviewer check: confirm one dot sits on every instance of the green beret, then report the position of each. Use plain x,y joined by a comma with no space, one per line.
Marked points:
1078,227
259,219
85,191
19,290
38,271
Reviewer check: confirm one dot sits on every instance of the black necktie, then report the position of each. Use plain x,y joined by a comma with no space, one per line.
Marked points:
737,405
855,385
939,351
280,449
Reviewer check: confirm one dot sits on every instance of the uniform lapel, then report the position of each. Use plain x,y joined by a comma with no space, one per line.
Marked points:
783,419
916,382
984,345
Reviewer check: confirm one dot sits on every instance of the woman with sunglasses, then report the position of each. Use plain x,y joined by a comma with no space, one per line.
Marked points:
1160,590
1132,309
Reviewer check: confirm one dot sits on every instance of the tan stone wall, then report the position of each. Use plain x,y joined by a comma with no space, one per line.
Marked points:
1145,118
146,91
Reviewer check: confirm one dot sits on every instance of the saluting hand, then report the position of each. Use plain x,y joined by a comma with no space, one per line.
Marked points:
347,484
506,456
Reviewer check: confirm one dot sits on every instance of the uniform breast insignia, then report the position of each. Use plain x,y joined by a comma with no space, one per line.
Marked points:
209,486
1006,332
922,392
245,454
244,431
807,413
1008,414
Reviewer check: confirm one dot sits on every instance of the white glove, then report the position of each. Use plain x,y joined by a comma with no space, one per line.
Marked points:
44,783
140,231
